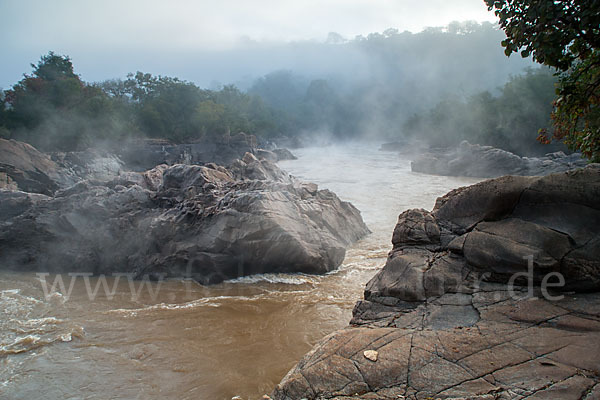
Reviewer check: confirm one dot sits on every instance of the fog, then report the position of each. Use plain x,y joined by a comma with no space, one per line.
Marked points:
131,86
199,41
251,59
357,70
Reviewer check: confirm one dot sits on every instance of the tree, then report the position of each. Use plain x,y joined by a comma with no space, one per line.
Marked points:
209,116
52,67
334,38
164,107
53,109
4,133
280,89
564,35
503,121
53,85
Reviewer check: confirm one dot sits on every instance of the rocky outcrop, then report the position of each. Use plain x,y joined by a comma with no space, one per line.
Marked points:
24,167
284,154
495,294
275,155
145,154
97,165
488,162
206,222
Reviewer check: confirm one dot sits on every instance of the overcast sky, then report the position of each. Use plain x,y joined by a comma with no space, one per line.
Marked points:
106,38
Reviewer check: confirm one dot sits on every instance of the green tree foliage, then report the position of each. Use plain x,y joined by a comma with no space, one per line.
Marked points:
564,35
244,112
508,121
383,79
165,107
180,111
4,133
374,85
52,86
54,110
280,89
320,106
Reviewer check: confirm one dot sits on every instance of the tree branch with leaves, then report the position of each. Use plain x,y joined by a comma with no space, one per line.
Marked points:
564,35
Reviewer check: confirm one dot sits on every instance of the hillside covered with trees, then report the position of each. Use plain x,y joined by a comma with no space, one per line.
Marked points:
54,109
440,86
509,120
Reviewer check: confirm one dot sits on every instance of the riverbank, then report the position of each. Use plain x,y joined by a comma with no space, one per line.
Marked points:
236,338
492,295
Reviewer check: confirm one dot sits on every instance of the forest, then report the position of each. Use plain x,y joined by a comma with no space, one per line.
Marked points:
440,86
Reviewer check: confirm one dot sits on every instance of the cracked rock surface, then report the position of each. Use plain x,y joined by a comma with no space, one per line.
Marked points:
460,311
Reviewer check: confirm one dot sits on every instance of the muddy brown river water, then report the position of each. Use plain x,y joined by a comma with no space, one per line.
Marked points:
180,340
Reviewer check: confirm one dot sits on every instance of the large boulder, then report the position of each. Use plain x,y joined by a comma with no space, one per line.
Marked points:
275,155
284,154
97,165
205,222
488,162
495,294
23,167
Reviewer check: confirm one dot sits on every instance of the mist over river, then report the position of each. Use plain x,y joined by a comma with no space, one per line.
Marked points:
180,340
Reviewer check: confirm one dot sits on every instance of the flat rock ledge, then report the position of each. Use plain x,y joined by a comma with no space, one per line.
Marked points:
489,162
470,304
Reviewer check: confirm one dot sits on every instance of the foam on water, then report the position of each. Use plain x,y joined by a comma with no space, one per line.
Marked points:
25,326
287,279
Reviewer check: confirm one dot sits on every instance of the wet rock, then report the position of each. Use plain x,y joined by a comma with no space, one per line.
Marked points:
487,162
446,315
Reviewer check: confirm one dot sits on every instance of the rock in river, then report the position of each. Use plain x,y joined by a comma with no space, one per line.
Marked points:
488,162
205,221
495,294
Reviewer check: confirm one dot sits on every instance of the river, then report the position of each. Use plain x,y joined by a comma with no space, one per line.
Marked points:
180,340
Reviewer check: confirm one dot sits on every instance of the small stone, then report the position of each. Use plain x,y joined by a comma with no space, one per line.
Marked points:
371,355
265,397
